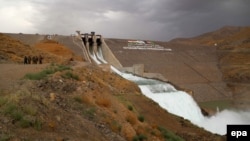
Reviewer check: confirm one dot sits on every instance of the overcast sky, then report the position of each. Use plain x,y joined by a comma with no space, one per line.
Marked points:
131,19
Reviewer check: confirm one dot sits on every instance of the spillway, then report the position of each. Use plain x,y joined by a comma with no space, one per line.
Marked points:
174,101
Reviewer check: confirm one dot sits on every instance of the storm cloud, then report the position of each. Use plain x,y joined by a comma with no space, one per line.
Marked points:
145,19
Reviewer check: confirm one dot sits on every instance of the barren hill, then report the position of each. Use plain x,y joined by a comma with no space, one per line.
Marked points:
232,50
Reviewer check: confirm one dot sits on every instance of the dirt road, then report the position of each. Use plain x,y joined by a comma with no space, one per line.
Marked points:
10,73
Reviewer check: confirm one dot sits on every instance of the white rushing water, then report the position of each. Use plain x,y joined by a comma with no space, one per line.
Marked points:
182,104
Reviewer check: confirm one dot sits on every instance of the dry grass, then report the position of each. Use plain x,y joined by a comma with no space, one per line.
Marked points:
103,102
86,99
128,131
131,118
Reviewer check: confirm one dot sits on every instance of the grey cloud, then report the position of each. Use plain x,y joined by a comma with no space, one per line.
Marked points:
147,19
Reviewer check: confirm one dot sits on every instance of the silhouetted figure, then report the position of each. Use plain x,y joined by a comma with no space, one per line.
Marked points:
29,60
25,60
40,58
34,60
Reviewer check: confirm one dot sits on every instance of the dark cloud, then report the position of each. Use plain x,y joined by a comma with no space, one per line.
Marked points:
147,19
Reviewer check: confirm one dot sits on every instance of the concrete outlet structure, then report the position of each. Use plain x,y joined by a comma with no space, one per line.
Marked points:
97,51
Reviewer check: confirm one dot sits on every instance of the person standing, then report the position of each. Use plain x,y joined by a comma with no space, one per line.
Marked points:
40,58
25,60
29,60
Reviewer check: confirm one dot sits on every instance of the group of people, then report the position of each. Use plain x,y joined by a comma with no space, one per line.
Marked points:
33,59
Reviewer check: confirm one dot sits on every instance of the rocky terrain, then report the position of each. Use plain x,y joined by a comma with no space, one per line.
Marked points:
69,99
232,50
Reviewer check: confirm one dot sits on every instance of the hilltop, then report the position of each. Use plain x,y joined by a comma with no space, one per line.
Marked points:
65,99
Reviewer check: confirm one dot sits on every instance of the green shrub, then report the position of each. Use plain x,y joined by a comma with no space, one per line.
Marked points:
90,112
78,99
44,73
30,109
16,115
130,108
24,123
141,118
38,76
2,101
140,137
62,68
10,108
37,124
70,75
168,135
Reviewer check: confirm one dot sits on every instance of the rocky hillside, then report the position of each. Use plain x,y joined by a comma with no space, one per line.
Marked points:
234,63
233,47
12,50
79,101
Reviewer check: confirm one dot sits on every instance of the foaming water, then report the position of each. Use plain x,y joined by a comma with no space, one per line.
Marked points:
218,122
182,104
175,102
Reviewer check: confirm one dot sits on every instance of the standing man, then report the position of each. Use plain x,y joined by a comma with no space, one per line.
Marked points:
40,58
25,60
29,59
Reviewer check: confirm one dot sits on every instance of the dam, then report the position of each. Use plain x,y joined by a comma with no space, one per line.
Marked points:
192,68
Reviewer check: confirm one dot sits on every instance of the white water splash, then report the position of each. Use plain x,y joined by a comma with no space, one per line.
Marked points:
182,104
218,122
178,103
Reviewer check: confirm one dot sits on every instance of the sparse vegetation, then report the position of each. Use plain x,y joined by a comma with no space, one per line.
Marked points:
70,75
49,70
5,137
115,126
39,75
20,115
62,68
37,124
168,135
17,114
2,101
140,137
130,108
25,123
141,118
30,109
90,112
9,109
78,99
